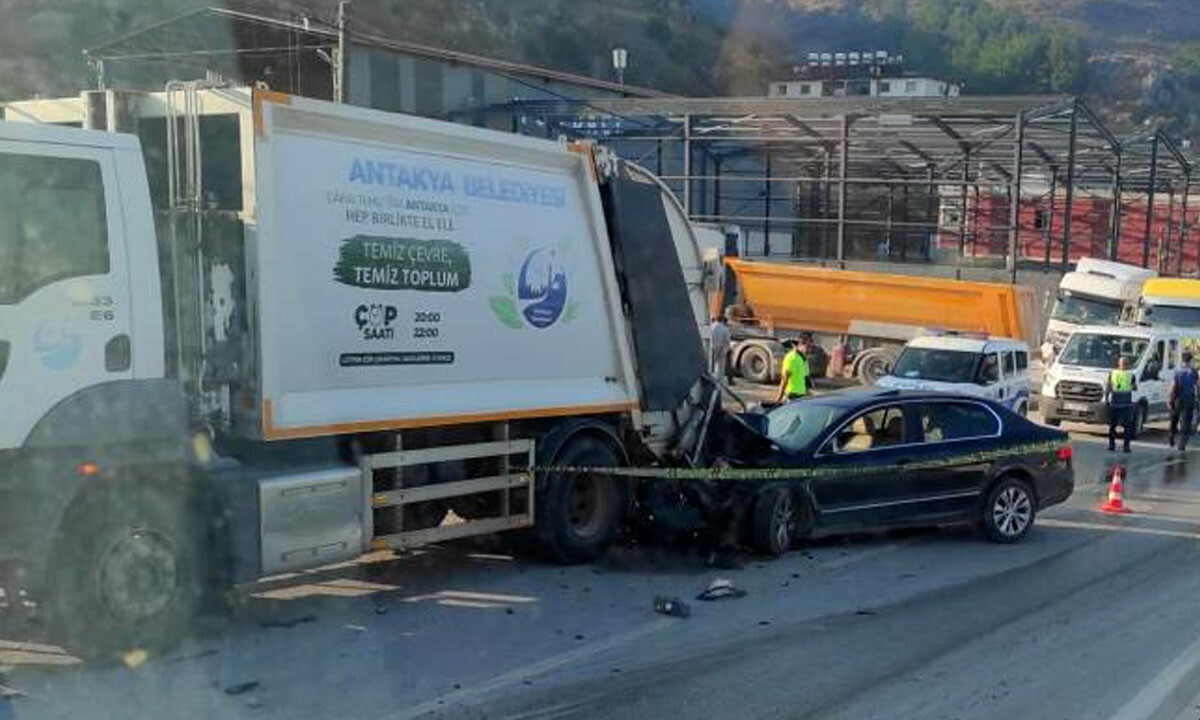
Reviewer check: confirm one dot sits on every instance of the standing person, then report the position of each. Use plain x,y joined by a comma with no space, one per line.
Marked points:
719,340
793,374
1183,402
1119,395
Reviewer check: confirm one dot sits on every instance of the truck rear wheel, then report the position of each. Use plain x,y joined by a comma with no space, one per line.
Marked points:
755,364
579,514
873,364
128,572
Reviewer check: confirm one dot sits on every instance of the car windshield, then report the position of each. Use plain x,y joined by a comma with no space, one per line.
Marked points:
795,425
1085,310
1171,316
936,364
1098,350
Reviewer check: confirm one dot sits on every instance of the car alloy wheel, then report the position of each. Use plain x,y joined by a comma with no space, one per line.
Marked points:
1009,511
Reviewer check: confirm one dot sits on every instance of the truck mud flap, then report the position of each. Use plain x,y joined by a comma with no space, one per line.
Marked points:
665,337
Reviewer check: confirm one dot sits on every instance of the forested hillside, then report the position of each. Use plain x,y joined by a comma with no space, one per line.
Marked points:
1133,59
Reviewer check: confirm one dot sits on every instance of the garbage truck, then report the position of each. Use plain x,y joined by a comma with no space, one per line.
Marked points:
244,333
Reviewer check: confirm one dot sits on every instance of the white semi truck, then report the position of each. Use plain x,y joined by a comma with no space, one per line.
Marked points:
1096,292
275,333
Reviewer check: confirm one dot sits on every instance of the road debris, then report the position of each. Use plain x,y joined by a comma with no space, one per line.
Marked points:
7,693
242,688
303,619
134,658
671,606
721,589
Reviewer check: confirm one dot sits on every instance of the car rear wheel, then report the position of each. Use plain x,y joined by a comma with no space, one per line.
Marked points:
774,521
1009,511
1139,420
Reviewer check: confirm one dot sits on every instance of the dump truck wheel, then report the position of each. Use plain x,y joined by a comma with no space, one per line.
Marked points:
872,364
755,364
579,514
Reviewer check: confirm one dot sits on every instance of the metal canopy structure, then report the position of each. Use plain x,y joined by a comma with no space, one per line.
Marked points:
832,168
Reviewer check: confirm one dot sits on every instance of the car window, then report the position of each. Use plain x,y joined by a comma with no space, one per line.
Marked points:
1009,363
795,425
1174,353
989,370
956,421
878,428
1022,360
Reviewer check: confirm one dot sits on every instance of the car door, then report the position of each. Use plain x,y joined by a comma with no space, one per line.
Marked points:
861,479
1154,382
953,437
64,289
989,376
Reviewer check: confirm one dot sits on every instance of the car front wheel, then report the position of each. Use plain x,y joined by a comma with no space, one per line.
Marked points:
1009,511
774,521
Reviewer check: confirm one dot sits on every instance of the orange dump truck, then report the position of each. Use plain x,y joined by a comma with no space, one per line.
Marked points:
877,312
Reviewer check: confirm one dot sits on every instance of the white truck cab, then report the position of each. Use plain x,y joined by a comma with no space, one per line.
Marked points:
1170,302
1097,292
1073,389
993,368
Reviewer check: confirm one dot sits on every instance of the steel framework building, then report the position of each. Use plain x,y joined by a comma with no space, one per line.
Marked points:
1012,181
837,179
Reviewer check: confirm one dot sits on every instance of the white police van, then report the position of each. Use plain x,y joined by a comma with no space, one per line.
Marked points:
993,368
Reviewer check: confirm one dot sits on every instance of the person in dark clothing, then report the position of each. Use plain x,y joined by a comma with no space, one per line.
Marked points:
1119,394
1183,402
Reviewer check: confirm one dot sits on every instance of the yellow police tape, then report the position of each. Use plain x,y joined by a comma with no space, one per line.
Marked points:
776,473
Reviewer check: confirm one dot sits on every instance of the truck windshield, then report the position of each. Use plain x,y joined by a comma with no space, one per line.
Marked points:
1171,316
1102,351
1084,310
952,366
795,425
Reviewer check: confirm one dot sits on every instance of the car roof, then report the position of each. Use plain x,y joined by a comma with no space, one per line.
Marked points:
1139,331
855,397
966,344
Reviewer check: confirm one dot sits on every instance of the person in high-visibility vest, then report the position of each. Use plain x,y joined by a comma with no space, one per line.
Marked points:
793,374
1119,394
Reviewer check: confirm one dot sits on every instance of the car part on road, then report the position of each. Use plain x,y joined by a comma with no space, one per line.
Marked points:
773,522
671,606
721,589
1009,511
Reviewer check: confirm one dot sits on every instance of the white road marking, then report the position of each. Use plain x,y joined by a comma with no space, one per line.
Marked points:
1154,696
554,662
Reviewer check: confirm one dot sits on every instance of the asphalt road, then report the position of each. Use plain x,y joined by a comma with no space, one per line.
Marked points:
1092,617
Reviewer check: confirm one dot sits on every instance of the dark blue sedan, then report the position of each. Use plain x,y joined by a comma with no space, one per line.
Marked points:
871,458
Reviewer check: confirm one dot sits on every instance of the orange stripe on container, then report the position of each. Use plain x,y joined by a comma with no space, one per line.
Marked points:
270,432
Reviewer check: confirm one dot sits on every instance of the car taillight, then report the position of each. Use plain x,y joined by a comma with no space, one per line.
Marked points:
1064,453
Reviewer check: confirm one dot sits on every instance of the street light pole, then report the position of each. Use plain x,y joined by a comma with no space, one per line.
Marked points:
620,60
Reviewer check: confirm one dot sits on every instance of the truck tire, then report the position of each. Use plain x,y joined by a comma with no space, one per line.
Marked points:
872,364
578,515
755,364
128,571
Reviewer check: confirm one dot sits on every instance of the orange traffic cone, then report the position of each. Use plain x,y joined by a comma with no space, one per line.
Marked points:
1116,494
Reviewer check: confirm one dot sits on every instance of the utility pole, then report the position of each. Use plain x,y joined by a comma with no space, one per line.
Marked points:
341,74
